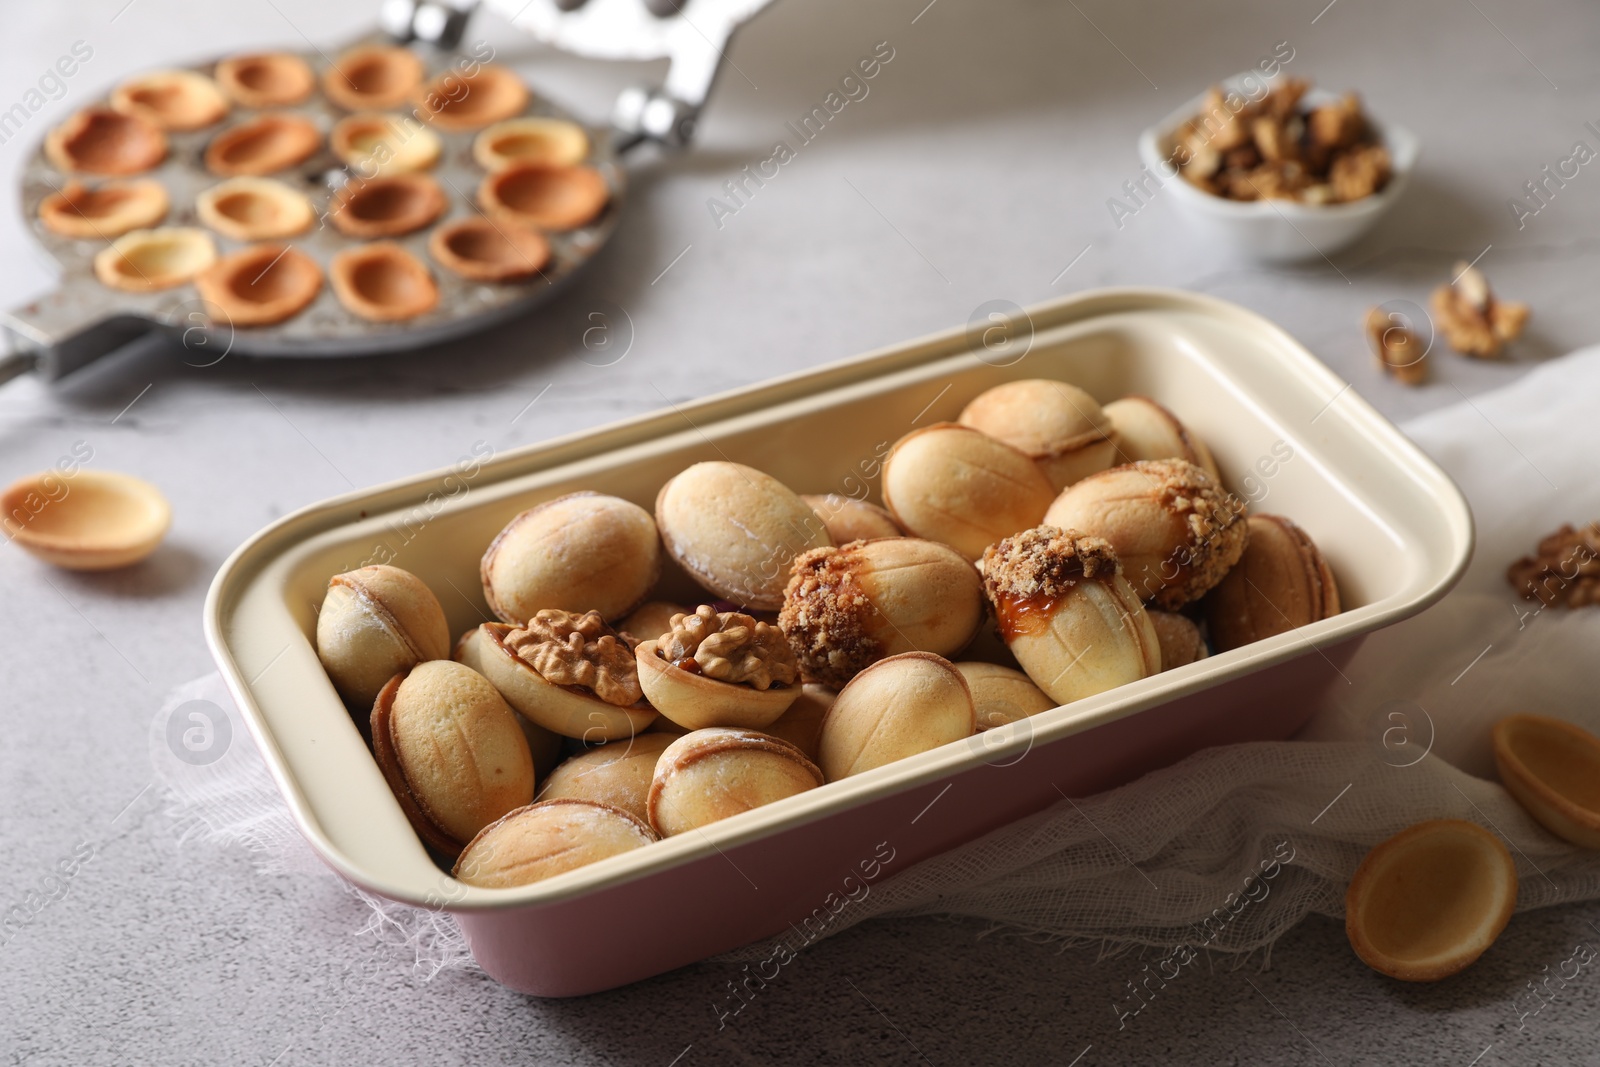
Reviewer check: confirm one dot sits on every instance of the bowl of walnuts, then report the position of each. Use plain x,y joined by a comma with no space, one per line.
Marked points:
1278,171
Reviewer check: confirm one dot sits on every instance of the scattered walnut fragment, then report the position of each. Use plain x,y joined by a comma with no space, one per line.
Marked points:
1471,319
1275,149
1399,350
1564,571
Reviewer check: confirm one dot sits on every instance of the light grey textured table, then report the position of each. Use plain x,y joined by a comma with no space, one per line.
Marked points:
978,168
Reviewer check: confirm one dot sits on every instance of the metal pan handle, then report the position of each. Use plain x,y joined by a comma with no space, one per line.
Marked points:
51,337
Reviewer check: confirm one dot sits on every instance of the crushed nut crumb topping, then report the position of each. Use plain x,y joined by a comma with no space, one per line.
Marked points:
826,615
1045,562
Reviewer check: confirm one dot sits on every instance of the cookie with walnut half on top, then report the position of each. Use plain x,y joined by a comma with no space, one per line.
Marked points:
722,668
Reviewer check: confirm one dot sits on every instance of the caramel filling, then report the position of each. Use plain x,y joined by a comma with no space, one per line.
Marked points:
1023,616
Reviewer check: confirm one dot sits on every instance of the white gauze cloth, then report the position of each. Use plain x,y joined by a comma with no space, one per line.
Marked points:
1232,847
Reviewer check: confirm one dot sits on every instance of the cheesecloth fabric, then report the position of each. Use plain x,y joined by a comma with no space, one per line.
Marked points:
1230,848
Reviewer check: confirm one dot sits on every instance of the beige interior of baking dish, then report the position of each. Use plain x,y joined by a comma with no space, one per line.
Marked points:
1393,527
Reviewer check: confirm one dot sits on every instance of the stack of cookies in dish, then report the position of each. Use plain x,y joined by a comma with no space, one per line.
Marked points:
1037,551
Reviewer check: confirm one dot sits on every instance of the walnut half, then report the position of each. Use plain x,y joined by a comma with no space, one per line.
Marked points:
571,649
730,646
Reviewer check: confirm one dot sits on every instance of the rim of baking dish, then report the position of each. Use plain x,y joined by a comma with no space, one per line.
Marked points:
1446,508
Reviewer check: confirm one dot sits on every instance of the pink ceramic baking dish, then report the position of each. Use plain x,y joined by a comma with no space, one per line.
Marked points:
1286,432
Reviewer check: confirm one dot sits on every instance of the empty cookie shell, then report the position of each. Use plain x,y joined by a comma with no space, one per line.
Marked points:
386,206
172,99
266,79
554,142
106,211
262,145
143,261
1553,769
87,521
261,285
372,78
546,839
384,144
1430,900
455,101
709,775
254,209
485,251
382,282
544,196
98,140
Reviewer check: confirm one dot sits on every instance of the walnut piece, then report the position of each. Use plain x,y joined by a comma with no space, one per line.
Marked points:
571,649
1359,172
1399,350
730,646
1472,319
1564,571
1337,125
1275,148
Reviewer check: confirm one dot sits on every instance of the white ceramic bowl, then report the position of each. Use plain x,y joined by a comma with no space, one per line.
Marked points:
1276,231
